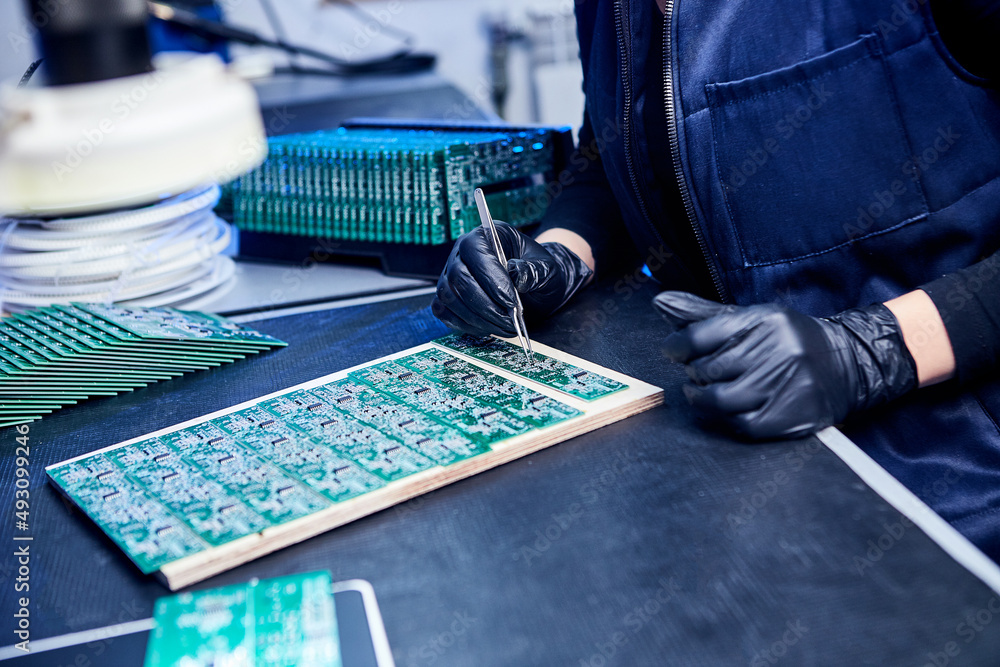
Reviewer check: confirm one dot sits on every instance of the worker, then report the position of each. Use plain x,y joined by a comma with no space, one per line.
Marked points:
817,189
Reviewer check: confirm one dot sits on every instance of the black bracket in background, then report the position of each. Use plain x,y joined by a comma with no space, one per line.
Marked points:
395,259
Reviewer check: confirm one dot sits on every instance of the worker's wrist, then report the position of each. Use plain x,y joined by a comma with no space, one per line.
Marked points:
548,278
925,336
572,241
576,271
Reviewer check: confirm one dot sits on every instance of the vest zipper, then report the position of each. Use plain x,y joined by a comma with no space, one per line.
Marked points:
626,119
675,151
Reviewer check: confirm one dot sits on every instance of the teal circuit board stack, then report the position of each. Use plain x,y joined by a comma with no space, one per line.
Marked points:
282,622
200,497
404,186
58,356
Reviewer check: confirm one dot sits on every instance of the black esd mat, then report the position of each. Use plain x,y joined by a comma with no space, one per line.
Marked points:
647,542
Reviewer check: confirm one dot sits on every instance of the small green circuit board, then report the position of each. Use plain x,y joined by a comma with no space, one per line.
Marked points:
189,490
51,357
544,370
284,622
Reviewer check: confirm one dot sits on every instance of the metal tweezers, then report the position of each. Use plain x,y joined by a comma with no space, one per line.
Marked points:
517,312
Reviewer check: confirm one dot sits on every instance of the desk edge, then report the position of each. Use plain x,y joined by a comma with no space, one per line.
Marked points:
893,492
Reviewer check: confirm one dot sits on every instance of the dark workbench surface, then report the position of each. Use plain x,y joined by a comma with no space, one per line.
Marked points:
651,540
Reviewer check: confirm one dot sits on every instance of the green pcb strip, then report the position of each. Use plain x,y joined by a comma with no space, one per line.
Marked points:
164,498
284,622
394,185
544,370
58,356
174,324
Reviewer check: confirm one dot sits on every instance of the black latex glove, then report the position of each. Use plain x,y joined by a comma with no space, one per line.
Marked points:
772,372
475,294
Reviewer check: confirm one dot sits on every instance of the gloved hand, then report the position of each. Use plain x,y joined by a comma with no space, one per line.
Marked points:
772,372
475,294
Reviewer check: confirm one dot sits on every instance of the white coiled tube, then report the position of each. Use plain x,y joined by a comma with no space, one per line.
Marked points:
165,254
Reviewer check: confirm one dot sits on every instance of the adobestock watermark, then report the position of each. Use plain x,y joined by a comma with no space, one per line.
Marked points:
930,331
120,109
979,275
102,639
786,128
630,283
940,487
885,199
772,655
892,534
294,278
971,627
550,534
9,567
633,622
580,162
22,35
752,503
895,531
275,122
561,522
595,319
471,105
413,504
902,11
434,648
23,539
367,32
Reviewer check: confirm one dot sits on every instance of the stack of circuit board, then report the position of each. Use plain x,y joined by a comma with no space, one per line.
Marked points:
58,356
283,622
395,185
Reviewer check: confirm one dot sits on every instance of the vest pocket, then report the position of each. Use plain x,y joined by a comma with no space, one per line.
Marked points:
813,157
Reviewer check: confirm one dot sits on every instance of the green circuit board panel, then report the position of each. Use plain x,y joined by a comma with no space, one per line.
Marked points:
58,356
544,370
399,185
284,622
164,498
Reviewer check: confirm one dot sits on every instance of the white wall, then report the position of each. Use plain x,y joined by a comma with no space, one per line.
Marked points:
454,29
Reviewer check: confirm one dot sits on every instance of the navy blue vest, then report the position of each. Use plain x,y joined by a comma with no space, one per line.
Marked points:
832,154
